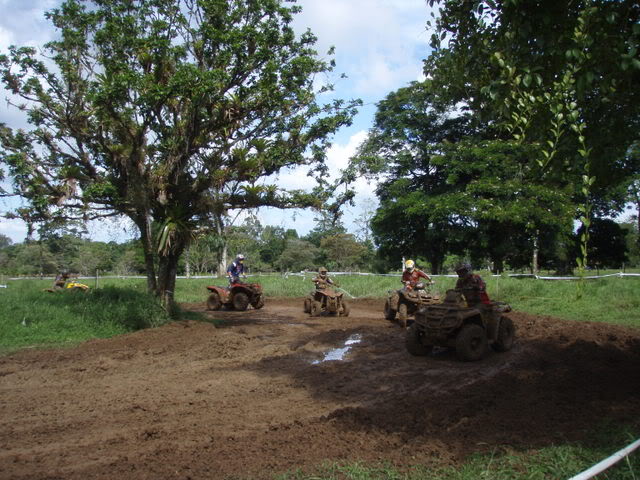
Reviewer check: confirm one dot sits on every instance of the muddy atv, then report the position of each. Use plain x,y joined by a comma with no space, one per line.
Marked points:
237,296
470,330
326,300
403,303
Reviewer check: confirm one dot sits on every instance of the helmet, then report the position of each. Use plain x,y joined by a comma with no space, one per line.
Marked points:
409,264
322,271
463,268
240,256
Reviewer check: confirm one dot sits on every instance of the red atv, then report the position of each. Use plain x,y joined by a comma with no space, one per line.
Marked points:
237,296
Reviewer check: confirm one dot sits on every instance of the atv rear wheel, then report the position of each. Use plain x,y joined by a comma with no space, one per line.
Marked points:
240,301
307,305
403,315
471,343
213,302
389,313
413,342
506,335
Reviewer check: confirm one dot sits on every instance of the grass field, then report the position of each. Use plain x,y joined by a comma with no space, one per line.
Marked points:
30,316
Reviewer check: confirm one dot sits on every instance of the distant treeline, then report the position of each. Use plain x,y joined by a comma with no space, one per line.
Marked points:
275,249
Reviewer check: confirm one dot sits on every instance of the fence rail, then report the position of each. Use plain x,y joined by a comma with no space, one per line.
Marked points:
607,462
288,274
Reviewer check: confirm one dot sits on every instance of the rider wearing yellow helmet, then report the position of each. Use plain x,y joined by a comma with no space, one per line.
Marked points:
411,275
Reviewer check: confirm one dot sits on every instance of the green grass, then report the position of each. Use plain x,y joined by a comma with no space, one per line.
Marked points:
556,462
31,317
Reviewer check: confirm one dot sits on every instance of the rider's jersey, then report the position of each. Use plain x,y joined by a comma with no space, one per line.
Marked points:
235,269
414,276
474,289
322,282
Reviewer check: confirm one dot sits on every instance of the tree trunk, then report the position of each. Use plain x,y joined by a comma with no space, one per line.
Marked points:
638,219
498,265
534,259
144,225
188,263
167,272
222,258
436,263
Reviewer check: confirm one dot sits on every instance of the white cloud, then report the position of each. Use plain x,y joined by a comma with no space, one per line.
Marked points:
379,43
16,230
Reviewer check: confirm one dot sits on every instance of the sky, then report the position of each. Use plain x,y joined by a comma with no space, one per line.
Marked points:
379,46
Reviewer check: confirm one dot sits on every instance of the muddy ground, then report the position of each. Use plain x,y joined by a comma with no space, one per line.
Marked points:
253,397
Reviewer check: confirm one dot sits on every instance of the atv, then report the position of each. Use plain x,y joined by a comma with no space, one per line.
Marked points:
69,285
470,330
237,296
326,299
406,302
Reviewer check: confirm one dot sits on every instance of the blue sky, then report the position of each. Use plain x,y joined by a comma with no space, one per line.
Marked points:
379,45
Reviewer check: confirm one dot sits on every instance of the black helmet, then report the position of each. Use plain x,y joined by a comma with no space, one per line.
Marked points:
463,268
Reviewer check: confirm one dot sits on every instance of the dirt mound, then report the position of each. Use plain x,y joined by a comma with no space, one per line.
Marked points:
259,394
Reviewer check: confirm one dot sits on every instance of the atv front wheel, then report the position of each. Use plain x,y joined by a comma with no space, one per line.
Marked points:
307,305
240,301
413,342
344,311
506,335
316,308
403,315
471,343
213,302
389,313
258,303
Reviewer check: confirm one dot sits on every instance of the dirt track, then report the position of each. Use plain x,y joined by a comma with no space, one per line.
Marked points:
246,399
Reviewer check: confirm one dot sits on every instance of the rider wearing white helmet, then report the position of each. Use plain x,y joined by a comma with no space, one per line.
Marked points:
236,269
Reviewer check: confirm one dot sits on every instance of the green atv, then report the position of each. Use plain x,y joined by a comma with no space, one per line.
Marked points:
470,330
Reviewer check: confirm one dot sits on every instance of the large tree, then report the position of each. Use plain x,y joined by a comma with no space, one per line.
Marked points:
411,127
562,75
448,186
168,112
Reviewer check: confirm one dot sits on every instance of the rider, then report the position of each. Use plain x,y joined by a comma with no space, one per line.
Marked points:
411,275
235,269
471,285
322,280
61,280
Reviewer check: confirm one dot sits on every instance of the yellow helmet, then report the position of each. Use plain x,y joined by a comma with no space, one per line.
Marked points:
409,264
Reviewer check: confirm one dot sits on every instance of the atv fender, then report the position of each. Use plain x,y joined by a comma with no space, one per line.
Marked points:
221,291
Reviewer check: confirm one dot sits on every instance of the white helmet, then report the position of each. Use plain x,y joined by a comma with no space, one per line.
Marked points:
240,256
409,264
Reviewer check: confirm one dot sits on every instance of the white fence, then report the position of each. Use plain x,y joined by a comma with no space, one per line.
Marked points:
287,274
607,462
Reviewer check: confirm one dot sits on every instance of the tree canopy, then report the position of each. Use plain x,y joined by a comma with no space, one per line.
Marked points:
168,112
